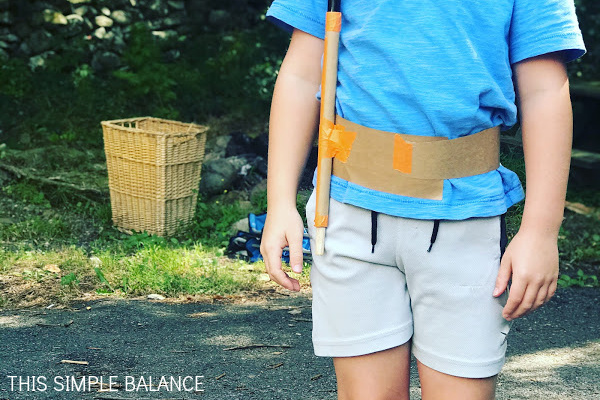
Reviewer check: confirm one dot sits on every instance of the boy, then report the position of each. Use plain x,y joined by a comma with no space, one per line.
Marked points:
427,274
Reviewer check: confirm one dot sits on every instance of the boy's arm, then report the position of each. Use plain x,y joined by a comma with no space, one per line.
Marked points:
547,125
292,125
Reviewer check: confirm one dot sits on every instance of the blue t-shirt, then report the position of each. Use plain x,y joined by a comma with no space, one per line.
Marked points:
436,68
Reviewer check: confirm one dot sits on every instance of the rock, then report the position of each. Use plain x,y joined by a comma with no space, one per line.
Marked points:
105,11
220,174
40,41
177,4
259,189
10,38
24,49
104,21
216,147
75,19
4,45
166,35
133,3
157,7
6,18
118,41
174,19
54,17
76,24
155,296
102,33
241,225
172,55
120,17
83,10
80,1
39,61
105,61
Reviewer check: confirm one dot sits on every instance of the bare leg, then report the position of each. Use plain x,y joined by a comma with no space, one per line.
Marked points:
439,386
383,375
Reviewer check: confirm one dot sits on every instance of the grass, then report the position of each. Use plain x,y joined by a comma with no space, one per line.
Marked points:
55,248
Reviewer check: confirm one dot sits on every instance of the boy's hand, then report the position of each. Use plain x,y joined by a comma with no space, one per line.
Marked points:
283,227
531,259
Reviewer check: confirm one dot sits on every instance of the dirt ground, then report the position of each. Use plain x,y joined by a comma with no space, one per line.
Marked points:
258,349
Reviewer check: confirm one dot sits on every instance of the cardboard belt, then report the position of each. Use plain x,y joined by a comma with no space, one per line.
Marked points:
410,165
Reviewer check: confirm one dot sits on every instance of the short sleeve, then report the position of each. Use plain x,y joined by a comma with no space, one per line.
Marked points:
544,26
305,15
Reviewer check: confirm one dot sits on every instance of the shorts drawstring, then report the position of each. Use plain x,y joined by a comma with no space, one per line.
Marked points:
373,230
436,227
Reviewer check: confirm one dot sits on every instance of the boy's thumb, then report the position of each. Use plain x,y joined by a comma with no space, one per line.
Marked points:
503,276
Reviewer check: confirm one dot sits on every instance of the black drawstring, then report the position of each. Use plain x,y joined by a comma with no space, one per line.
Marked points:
436,227
373,230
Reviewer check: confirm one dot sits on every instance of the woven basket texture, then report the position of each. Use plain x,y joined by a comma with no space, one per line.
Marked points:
154,170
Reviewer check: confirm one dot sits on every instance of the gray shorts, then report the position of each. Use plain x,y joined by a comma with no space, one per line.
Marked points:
366,301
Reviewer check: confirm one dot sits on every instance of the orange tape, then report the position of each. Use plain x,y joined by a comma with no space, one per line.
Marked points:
402,155
321,221
335,140
333,21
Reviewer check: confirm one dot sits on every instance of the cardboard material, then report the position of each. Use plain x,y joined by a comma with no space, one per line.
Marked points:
414,166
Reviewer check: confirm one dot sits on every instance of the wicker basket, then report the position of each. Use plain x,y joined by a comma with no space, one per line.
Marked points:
153,172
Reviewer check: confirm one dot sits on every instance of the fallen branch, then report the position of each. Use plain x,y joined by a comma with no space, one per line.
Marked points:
73,362
79,191
256,346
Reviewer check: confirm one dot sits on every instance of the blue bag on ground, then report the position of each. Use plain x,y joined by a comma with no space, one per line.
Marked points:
246,245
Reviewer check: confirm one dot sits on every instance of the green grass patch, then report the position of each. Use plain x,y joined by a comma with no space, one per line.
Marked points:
38,278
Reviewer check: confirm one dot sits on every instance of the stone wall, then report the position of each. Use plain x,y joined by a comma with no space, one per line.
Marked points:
37,30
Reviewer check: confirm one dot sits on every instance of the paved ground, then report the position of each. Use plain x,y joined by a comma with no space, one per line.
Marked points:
553,354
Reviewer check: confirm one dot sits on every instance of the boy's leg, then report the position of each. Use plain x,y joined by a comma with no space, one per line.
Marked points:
361,307
439,386
459,332
384,375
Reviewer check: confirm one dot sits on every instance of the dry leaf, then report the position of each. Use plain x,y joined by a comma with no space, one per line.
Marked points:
52,268
275,366
295,311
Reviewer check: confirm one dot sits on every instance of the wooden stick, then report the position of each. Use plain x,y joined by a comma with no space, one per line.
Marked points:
82,192
327,116
255,346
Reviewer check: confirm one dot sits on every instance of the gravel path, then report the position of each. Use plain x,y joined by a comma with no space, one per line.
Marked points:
553,353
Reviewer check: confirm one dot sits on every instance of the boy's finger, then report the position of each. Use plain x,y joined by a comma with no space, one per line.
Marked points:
296,256
527,303
551,290
279,276
542,297
517,291
272,257
503,276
